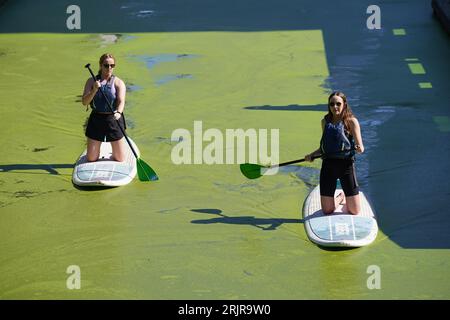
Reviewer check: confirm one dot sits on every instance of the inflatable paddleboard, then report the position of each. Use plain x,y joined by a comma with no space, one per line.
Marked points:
105,171
339,229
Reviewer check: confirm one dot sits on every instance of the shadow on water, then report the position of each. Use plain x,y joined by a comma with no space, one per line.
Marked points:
91,188
291,107
50,168
336,248
271,223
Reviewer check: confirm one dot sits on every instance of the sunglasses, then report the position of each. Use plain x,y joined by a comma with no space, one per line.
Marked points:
109,65
331,104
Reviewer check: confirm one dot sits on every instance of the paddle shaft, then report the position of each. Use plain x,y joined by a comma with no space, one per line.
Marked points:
112,110
294,161
301,160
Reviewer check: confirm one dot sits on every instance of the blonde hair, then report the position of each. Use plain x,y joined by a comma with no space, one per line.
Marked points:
102,59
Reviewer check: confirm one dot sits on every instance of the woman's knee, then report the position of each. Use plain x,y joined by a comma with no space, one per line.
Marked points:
327,204
93,150
92,157
353,211
119,153
119,157
353,205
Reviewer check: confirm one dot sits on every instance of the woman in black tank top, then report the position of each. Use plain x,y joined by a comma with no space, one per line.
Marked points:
338,162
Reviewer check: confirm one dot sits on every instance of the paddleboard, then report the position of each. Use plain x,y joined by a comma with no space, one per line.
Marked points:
105,171
339,229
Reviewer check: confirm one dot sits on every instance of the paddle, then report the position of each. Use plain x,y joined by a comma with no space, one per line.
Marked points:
253,171
145,172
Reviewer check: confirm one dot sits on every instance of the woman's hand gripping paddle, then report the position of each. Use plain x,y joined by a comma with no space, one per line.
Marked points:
145,172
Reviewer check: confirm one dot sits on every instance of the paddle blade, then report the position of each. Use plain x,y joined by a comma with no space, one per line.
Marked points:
251,171
145,172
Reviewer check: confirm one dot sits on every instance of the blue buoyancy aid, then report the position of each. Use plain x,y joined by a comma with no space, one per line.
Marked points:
336,143
99,104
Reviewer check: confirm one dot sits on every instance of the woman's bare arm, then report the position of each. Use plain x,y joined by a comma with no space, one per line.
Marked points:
121,91
89,91
356,133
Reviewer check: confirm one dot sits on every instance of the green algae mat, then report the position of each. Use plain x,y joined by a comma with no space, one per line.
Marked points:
202,231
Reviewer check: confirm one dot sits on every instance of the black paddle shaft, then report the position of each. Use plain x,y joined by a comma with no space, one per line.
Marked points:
302,160
295,161
112,110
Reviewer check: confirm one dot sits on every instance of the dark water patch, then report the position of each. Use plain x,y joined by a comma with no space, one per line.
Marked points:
131,87
128,37
25,194
41,149
165,211
152,61
130,122
265,224
291,107
168,78
246,186
168,141
309,175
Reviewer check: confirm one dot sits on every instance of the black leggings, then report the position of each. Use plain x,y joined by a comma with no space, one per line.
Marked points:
342,169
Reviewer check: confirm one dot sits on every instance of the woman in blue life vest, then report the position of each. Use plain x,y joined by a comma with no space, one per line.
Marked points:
103,124
341,138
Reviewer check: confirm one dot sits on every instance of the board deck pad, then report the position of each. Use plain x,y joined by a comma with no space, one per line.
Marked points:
105,171
339,229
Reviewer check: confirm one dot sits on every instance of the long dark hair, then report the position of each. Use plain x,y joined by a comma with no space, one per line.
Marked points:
347,113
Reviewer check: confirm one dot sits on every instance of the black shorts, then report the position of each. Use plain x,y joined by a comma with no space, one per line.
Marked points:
342,169
104,127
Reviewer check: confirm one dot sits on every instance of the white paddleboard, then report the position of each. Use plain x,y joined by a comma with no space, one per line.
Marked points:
339,229
105,171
